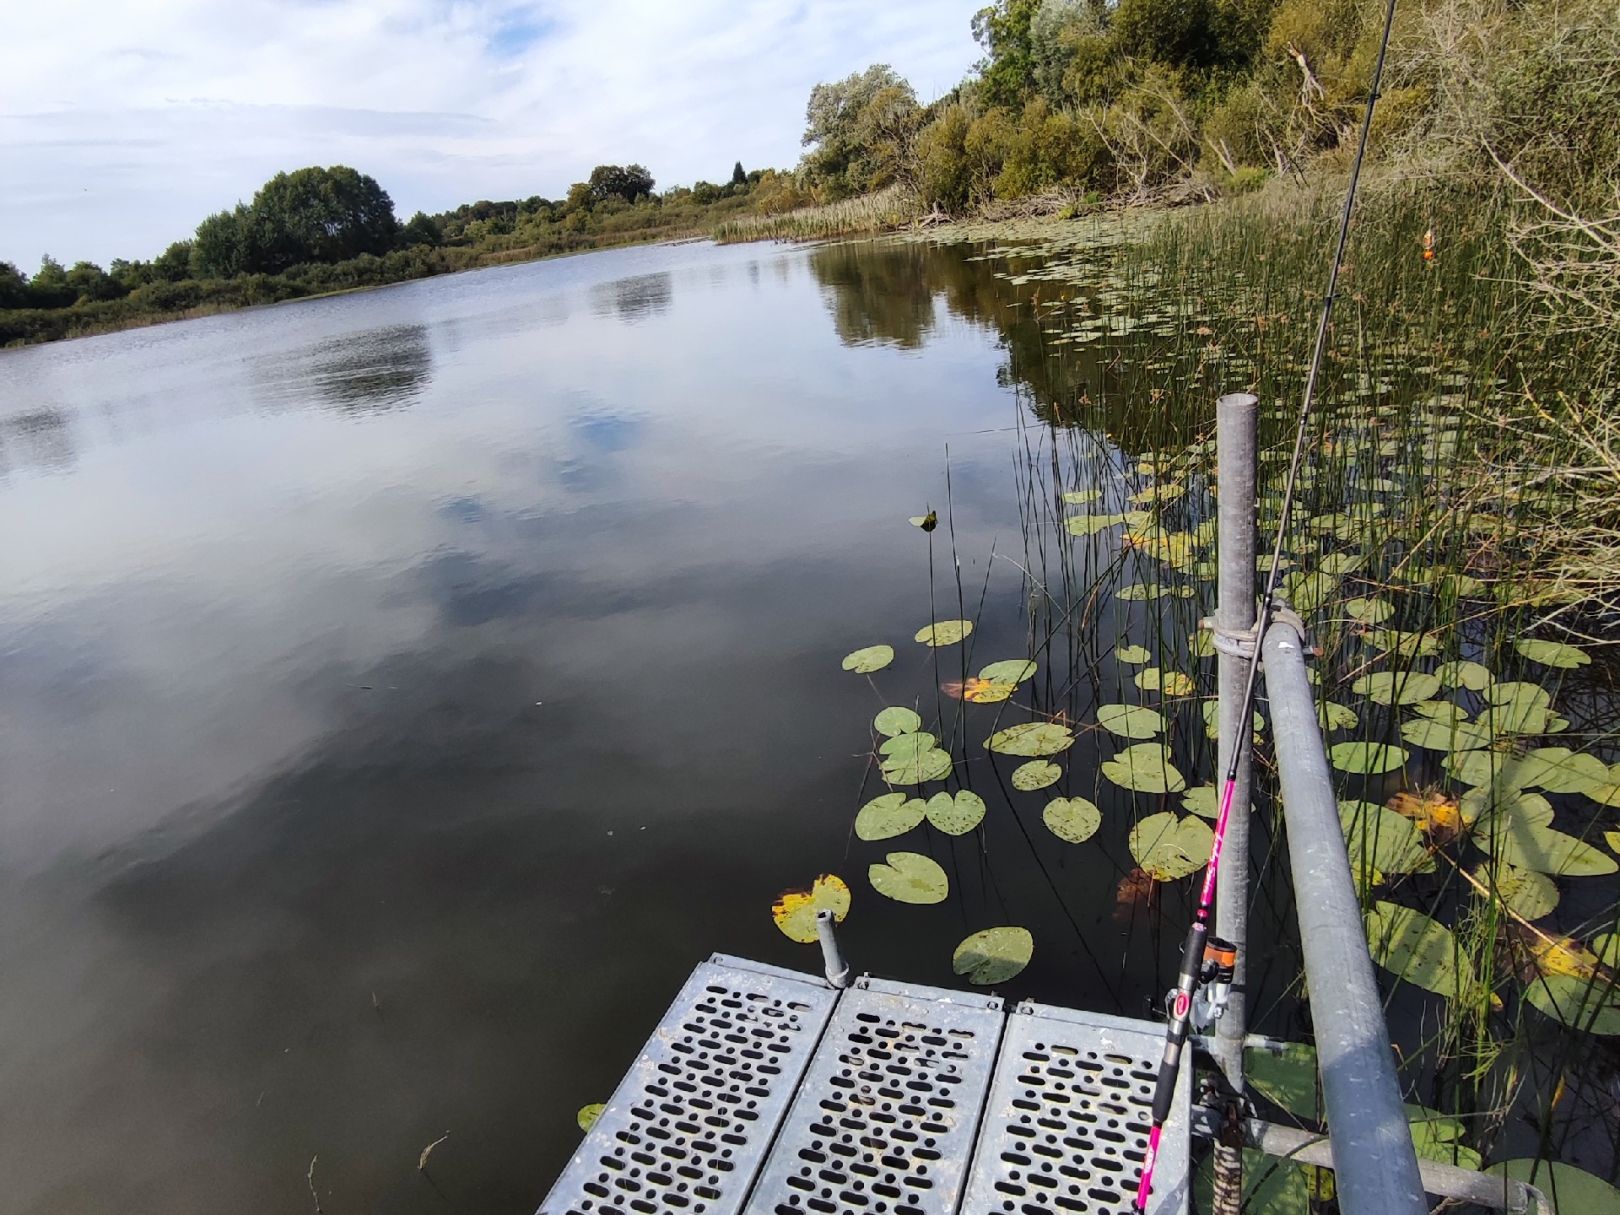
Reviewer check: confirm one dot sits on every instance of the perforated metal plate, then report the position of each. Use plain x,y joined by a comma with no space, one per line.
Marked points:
686,1129
1066,1126
885,1118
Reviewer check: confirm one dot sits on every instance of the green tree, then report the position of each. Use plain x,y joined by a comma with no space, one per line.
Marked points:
1180,33
13,287
173,265
1008,67
224,245
422,229
861,132
738,177
91,283
50,287
319,215
628,182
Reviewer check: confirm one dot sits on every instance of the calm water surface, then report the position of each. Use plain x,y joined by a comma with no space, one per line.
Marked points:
399,693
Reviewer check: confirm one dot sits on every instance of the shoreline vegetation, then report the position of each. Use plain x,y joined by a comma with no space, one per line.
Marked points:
1076,106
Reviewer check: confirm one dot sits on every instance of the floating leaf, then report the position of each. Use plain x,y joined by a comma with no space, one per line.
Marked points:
1146,768
1336,716
1168,846
1529,894
1306,592
1382,839
1133,654
916,768
1413,947
909,877
887,816
1286,1079
1201,644
1445,734
1372,759
1341,563
1008,670
1368,611
1079,497
944,632
1407,645
1072,818
795,910
1171,683
904,747
1131,721
587,1116
1036,774
1031,738
1552,653
896,719
1532,845
872,658
980,691
1461,673
955,814
1517,708
1212,720
1437,1136
1204,801
1571,1190
927,522
1434,814
993,955
1397,687
1560,770
1090,525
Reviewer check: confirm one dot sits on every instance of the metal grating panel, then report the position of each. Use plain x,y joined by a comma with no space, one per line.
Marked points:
1067,1123
687,1127
884,1121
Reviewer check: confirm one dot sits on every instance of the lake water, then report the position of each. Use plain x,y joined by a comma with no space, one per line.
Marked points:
402,691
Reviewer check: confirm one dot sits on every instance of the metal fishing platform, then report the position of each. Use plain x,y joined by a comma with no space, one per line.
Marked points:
767,1092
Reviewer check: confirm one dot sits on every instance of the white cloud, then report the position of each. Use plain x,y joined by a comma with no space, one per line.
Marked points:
123,124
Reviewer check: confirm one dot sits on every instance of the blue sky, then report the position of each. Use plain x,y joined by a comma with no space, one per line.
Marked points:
123,124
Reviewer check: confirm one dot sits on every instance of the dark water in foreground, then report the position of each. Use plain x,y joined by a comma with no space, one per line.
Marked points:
399,693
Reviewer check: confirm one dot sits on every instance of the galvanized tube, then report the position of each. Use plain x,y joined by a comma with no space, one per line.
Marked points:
1376,1168
1236,430
832,957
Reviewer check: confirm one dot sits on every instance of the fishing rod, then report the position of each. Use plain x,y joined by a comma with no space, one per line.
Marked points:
1207,960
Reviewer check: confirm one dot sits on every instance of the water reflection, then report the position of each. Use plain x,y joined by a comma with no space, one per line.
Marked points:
636,298
38,439
373,371
884,299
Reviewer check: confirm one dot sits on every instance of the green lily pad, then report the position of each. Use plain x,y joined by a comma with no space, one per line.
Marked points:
1368,611
1372,759
1451,733
917,768
1552,653
1133,721
1336,716
1031,738
794,911
1079,497
1008,670
1396,687
993,955
1377,837
1437,1136
1036,774
1517,708
588,1114
1560,770
906,746
1528,893
1201,644
1090,525
1133,654
1341,563
955,814
944,632
872,658
1211,709
909,877
1533,845
1168,846
887,816
1171,683
1406,645
1072,818
1417,949
1204,801
896,719
1287,1080
1589,1005
1146,768
1572,1191
1460,673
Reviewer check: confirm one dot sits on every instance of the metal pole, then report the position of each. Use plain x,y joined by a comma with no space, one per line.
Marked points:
1236,428
832,958
1374,1161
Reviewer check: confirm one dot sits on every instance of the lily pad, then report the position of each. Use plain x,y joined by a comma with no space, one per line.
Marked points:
1453,733
1437,1136
943,632
795,910
916,768
1031,738
1133,654
1072,818
1376,836
1560,770
993,955
1036,774
1079,497
1532,845
1168,846
896,719
1334,716
1146,768
1528,893
1171,683
1552,653
1306,592
887,816
1397,687
588,1114
1090,525
1372,759
1204,801
1008,670
872,658
1572,1191
909,877
1133,721
1287,1079
1417,949
955,814
1461,673
906,746
1368,611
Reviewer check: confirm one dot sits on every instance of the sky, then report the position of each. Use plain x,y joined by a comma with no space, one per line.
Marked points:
124,122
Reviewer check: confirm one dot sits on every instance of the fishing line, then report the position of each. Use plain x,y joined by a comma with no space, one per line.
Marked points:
1195,967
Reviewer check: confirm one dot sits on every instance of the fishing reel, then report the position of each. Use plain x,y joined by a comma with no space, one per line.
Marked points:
1214,990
